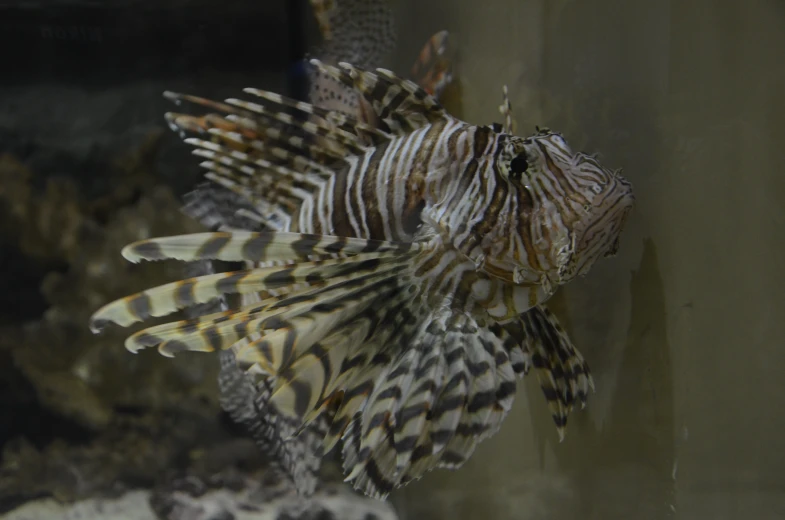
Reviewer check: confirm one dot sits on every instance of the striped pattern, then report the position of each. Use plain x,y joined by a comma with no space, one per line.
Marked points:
300,456
221,209
359,31
433,68
398,292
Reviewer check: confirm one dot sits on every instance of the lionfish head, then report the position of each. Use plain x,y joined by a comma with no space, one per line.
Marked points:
568,211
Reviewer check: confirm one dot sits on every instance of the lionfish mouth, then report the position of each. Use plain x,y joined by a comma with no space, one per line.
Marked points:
608,215
622,222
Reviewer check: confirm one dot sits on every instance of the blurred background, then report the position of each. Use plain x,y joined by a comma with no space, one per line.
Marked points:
683,329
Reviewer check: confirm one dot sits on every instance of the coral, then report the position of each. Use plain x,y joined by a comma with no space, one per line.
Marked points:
123,413
80,375
132,451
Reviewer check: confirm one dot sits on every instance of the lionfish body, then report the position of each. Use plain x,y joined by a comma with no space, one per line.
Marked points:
398,290
356,30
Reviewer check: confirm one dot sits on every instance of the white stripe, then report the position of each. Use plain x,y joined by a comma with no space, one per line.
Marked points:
327,205
348,195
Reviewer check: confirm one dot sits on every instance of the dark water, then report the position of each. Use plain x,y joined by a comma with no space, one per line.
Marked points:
683,329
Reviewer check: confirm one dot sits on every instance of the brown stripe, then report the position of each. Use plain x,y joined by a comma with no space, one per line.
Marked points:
381,484
373,217
407,444
481,400
481,138
524,229
212,247
327,367
213,338
255,248
146,339
149,250
305,245
393,104
561,179
428,265
409,413
230,283
452,457
379,89
184,294
494,206
140,306
440,276
425,152
302,397
280,278
398,182
337,201
337,245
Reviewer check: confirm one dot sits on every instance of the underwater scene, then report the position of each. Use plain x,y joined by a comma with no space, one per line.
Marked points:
392,260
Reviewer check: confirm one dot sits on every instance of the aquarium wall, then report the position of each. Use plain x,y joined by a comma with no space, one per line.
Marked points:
681,328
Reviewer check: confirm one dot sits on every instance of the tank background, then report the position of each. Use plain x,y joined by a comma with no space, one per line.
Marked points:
87,165
682,329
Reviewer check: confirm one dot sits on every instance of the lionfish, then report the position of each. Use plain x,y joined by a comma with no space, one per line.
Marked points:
363,31
397,287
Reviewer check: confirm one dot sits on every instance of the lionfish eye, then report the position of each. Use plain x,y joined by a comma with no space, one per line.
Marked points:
519,165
